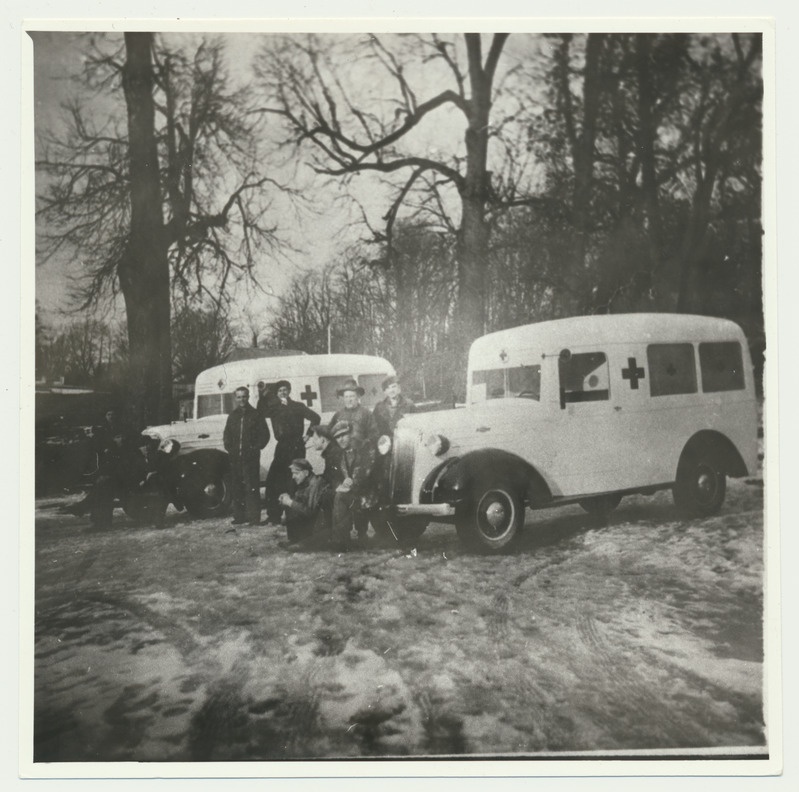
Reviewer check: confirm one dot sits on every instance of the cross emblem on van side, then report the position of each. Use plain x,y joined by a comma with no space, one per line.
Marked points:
308,395
633,372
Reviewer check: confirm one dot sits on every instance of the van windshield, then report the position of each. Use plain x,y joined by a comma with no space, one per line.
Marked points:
505,383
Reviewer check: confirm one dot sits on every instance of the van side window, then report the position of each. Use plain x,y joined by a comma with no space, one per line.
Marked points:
494,380
228,403
373,388
327,392
722,368
209,404
584,377
672,369
523,381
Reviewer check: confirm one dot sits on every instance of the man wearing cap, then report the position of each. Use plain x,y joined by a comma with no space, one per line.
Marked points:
288,427
246,433
361,419
303,509
388,412
354,494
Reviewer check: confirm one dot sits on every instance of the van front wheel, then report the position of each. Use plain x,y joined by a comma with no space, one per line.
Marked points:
492,519
701,485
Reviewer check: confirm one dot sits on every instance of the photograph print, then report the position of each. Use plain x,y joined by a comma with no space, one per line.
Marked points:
400,396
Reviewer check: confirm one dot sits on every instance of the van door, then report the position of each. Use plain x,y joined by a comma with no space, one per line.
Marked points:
584,446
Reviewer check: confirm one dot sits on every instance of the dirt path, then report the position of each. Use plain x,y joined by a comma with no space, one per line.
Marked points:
200,642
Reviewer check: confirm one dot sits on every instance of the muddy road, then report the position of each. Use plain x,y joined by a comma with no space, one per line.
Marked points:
200,642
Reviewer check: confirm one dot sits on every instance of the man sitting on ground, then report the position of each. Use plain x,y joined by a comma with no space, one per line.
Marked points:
303,509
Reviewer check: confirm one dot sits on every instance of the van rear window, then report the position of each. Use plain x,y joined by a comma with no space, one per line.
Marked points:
722,366
672,369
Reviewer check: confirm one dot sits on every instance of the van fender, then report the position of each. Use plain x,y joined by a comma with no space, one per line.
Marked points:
719,447
455,479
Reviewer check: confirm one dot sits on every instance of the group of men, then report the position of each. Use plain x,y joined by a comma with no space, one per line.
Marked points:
317,509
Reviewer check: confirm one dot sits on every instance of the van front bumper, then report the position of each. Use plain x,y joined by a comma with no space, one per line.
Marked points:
430,509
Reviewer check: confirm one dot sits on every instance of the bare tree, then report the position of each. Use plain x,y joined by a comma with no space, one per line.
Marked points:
174,201
201,338
350,134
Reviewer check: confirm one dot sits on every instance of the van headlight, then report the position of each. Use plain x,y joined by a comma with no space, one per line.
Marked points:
383,445
169,447
437,444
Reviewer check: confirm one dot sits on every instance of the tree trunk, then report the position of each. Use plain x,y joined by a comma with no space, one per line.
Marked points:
646,145
470,308
584,151
144,268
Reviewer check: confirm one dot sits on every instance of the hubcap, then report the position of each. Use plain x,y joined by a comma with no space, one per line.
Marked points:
495,515
211,491
706,485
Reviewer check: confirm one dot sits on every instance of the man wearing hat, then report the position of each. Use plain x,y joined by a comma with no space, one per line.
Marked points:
354,494
388,412
322,441
361,419
288,426
303,509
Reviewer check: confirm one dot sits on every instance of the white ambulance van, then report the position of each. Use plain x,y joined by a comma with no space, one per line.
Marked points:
202,461
581,410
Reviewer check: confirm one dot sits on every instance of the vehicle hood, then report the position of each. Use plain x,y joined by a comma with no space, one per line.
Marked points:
452,423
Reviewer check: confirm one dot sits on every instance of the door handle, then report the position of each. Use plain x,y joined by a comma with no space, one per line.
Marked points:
483,429
617,408
203,436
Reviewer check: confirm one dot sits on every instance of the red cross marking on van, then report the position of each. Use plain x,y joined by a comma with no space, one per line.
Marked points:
633,373
309,395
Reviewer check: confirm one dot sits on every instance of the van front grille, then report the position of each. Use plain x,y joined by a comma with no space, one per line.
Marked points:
402,459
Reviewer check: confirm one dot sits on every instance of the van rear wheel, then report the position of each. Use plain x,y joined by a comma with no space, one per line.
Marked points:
701,484
492,519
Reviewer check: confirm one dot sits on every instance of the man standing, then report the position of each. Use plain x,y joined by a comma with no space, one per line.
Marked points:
353,496
288,426
362,421
246,433
303,509
388,412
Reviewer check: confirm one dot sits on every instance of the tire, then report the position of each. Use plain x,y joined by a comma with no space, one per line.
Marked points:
492,519
701,484
601,505
408,529
209,496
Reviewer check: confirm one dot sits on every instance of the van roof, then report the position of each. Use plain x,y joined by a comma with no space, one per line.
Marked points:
579,331
240,371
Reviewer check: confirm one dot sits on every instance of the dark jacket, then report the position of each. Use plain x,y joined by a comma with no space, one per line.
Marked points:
386,416
333,474
356,463
362,420
307,498
246,432
288,420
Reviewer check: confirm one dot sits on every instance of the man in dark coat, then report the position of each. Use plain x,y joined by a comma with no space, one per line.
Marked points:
303,508
354,494
246,433
121,469
324,442
352,411
388,412
288,427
